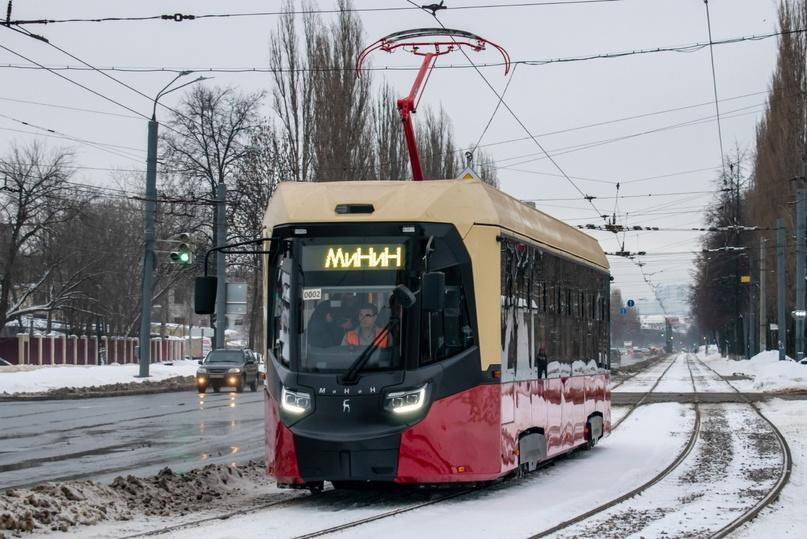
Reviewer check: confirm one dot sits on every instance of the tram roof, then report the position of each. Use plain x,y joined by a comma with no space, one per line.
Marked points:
463,203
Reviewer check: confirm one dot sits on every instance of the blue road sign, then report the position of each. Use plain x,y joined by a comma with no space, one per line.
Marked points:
623,311
631,303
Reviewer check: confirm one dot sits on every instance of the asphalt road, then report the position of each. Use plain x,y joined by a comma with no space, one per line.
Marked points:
103,438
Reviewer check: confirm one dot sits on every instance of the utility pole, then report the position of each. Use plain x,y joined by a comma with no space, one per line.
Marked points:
763,314
780,287
148,249
221,268
148,231
799,320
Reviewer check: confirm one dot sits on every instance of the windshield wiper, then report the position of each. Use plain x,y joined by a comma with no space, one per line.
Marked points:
350,376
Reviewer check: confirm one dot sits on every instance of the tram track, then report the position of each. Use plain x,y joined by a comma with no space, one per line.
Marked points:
786,467
682,455
699,438
328,495
332,498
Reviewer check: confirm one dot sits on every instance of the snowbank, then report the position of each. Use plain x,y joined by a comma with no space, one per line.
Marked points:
41,379
762,373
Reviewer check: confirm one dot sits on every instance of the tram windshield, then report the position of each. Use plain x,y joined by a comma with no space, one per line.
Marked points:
345,292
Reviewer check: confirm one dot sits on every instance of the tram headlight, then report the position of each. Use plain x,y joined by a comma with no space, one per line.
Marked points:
404,402
295,402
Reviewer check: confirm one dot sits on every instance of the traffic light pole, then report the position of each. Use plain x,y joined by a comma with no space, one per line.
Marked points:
148,250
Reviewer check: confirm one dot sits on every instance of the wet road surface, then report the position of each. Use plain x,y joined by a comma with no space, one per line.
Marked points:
106,437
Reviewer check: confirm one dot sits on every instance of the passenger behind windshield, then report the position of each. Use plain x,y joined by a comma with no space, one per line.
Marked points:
368,329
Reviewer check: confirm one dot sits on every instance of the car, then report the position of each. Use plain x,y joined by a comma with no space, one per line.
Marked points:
228,367
616,357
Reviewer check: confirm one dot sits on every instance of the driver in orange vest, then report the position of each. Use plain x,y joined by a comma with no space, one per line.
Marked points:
367,330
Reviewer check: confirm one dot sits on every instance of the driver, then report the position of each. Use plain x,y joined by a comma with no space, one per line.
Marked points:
367,330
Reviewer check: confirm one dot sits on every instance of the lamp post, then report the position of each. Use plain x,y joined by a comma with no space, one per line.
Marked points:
148,230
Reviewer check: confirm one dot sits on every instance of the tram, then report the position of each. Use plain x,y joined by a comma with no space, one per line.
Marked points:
426,333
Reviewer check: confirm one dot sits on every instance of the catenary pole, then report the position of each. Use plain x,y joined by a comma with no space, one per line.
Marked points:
221,283
148,250
780,287
763,314
799,320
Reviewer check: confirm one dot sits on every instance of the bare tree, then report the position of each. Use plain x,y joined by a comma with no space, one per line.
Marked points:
342,133
209,135
292,91
34,197
486,166
392,160
266,163
438,152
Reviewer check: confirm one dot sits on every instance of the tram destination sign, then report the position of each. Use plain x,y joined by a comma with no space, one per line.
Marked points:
388,256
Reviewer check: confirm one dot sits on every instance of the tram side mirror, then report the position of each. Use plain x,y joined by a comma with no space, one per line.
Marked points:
433,291
403,296
204,295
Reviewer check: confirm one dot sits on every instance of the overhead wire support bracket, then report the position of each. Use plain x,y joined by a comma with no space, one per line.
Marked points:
425,42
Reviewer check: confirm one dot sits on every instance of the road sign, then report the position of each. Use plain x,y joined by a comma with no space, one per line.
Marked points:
774,327
469,173
623,311
631,303
236,298
745,279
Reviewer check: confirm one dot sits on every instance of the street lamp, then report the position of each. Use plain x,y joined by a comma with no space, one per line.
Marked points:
148,229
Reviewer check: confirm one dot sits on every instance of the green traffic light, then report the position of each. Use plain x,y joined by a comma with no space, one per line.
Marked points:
184,258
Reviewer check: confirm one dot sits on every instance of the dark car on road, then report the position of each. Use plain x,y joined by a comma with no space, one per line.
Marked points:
229,367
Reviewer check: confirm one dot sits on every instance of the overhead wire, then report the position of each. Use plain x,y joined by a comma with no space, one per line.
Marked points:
714,86
516,118
68,79
179,17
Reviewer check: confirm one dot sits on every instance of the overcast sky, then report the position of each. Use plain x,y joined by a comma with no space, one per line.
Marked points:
547,98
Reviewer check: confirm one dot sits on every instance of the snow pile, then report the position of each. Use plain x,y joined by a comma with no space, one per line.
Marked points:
762,373
59,506
37,380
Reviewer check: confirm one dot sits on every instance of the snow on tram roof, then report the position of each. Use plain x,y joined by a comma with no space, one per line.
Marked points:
463,203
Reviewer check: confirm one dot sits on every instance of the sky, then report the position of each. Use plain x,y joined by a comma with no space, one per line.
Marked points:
657,133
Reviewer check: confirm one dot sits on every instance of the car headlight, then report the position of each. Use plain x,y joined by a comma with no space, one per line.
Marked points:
295,402
234,370
201,370
404,402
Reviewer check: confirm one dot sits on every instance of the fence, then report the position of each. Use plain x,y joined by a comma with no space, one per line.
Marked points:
84,350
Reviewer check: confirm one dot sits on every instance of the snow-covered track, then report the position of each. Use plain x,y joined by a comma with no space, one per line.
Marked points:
275,501
785,470
736,464
640,368
682,455
386,514
645,396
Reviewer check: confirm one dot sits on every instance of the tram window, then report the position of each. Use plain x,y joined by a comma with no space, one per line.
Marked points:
447,332
281,316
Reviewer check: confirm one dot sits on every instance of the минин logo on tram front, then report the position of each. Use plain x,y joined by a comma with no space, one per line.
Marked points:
364,258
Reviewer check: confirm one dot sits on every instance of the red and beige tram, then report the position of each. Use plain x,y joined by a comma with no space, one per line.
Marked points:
428,332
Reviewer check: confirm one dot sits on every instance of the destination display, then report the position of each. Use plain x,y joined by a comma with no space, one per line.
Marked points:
343,257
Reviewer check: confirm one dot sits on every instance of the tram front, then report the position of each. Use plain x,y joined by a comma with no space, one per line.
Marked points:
371,352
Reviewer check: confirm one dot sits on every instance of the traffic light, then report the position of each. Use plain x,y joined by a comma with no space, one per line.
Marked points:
183,255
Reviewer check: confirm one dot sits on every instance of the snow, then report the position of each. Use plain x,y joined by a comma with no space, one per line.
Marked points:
641,447
39,379
764,372
786,517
